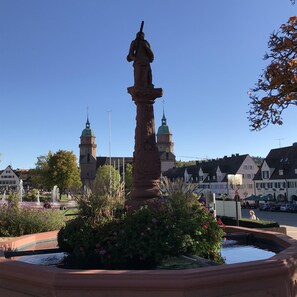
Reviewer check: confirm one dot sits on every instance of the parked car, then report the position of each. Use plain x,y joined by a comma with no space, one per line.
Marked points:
264,207
285,207
275,207
292,208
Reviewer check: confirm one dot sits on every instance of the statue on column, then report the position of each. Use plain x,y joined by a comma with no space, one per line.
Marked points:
141,54
146,157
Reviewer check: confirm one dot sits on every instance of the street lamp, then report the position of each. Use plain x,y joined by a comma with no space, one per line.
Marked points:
235,181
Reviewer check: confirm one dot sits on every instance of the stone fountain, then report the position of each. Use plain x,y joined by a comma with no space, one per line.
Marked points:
276,276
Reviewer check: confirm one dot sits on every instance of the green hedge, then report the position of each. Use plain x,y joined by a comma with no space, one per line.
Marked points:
249,223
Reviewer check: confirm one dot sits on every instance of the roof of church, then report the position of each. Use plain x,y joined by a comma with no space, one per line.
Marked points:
87,131
164,129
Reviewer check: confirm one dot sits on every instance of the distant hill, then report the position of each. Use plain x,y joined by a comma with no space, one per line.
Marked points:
258,160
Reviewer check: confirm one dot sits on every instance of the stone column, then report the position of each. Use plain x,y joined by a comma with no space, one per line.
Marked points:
146,157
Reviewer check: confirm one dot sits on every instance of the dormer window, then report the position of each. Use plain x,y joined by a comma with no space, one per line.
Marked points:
281,172
265,174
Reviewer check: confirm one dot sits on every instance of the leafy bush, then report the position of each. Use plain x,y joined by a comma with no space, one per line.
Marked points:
141,238
32,195
20,221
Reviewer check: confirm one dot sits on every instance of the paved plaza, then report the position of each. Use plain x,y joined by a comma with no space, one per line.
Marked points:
285,219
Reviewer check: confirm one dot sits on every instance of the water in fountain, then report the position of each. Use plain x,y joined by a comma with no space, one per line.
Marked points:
38,198
3,197
55,194
21,189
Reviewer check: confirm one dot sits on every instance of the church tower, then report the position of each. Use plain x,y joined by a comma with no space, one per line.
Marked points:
165,146
87,159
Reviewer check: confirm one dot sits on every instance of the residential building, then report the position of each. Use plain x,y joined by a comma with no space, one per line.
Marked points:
10,179
277,175
212,175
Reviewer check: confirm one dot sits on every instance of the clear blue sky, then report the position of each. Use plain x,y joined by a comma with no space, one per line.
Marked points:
60,57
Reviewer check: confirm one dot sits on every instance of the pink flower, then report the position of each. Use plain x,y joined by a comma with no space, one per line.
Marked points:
105,213
97,245
102,252
154,220
205,226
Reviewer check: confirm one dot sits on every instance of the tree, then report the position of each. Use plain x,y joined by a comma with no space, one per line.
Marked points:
276,88
107,179
185,163
40,178
258,160
128,178
107,188
63,171
57,169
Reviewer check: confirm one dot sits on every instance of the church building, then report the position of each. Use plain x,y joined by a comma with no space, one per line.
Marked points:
165,146
89,162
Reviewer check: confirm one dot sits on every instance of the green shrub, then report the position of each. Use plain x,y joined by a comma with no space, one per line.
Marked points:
32,195
142,238
20,221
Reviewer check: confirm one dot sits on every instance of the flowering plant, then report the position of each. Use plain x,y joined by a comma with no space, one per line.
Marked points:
143,238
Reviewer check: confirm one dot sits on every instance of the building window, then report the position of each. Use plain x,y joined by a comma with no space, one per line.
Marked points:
281,172
265,174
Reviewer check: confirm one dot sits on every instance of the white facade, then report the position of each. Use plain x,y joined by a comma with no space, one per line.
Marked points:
248,169
9,180
277,176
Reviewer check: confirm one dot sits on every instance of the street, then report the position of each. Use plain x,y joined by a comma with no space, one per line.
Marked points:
283,218
286,219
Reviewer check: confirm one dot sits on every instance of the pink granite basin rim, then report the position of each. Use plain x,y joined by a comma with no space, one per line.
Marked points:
226,280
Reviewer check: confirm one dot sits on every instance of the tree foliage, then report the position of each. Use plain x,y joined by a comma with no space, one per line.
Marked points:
276,88
63,170
107,179
128,178
39,174
258,160
185,163
57,169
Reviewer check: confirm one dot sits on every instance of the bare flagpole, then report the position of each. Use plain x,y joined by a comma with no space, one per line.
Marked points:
109,148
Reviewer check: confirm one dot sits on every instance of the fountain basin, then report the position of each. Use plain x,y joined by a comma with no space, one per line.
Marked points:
276,276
